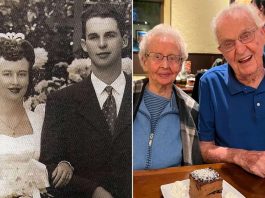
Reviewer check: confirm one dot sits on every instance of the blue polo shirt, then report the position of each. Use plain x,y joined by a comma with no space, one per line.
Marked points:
231,114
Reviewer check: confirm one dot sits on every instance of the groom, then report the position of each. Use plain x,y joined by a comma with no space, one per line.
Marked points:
86,137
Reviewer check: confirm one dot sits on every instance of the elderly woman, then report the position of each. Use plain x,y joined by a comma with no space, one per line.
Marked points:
21,175
164,129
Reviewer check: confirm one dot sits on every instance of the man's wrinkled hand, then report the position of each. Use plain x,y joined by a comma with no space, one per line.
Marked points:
253,162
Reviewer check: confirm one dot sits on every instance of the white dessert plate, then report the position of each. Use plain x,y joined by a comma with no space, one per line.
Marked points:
180,189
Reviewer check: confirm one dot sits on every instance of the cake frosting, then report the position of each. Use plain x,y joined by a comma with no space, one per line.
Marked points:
205,183
205,175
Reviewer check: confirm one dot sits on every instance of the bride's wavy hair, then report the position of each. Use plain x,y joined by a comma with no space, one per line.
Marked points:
15,50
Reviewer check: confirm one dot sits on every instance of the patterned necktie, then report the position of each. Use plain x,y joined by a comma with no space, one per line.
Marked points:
109,109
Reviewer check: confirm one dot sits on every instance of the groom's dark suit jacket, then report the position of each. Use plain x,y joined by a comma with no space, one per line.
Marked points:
75,130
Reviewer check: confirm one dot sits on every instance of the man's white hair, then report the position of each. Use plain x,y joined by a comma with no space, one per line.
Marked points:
235,10
162,30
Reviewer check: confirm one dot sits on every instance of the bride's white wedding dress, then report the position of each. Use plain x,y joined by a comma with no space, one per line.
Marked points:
20,171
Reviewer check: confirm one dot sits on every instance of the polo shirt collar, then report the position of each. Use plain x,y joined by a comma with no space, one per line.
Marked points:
261,87
235,87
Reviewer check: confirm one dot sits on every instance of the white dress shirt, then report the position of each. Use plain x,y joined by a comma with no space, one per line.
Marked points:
118,90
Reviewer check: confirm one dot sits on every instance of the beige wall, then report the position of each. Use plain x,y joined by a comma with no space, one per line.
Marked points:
167,11
193,19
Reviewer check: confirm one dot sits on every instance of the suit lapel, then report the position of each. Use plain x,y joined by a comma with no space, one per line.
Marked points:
89,106
124,118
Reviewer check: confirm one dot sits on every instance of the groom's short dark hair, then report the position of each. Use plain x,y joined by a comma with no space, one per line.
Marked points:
106,10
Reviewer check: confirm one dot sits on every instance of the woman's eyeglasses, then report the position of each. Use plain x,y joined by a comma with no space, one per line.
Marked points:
158,58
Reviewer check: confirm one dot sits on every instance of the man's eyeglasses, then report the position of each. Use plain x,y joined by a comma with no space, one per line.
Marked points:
245,37
158,58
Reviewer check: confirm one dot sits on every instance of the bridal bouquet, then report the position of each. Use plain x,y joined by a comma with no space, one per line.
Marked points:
23,179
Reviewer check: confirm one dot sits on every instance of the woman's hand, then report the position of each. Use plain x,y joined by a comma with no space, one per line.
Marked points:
62,174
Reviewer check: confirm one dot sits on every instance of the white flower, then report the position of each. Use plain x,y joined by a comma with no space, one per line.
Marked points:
49,89
13,35
28,105
43,88
23,178
16,183
64,85
79,69
31,15
5,11
126,64
61,64
42,97
41,85
75,77
57,79
41,57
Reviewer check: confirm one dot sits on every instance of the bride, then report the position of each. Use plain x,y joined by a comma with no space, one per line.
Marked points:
21,175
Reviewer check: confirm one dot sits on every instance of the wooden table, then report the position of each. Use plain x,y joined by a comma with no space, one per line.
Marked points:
146,184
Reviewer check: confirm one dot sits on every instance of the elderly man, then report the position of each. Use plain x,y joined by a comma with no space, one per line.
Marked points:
165,118
232,96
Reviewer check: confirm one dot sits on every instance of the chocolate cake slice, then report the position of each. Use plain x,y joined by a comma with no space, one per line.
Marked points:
205,183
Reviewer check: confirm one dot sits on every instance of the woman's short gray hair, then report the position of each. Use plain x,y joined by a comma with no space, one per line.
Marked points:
236,9
162,30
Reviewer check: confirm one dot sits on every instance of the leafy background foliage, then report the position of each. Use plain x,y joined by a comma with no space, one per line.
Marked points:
49,24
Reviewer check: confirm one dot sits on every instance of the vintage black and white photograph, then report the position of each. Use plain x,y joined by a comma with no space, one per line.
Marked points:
65,98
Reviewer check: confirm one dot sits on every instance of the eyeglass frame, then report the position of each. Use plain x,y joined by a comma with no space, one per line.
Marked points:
180,59
251,30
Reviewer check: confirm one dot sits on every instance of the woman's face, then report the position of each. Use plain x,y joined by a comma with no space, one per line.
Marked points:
14,79
162,73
